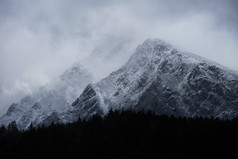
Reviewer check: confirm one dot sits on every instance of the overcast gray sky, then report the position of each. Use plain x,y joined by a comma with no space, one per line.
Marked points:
39,39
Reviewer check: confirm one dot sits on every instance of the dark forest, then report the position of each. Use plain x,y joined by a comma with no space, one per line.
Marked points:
124,134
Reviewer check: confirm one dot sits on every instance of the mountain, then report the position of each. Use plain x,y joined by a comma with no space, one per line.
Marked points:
165,80
157,77
51,101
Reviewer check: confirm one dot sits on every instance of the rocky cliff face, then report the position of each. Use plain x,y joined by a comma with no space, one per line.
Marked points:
163,79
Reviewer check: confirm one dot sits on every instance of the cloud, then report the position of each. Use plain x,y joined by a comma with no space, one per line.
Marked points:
40,39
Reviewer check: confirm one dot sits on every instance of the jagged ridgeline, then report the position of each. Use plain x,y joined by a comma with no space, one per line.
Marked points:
157,77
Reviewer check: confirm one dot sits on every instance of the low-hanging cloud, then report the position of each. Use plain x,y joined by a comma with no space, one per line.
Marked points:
40,39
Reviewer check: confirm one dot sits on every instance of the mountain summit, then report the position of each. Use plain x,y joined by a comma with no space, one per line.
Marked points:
165,80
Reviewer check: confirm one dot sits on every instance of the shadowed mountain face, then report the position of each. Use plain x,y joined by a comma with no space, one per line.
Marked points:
165,80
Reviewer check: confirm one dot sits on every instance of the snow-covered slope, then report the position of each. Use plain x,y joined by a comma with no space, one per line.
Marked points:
163,79
50,102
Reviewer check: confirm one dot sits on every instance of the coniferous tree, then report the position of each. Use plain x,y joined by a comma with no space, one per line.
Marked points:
3,130
12,127
31,127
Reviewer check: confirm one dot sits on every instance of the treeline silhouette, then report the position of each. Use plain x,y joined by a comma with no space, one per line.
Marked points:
124,134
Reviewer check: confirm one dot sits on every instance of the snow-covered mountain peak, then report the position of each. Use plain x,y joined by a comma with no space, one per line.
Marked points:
166,80
149,47
50,100
153,42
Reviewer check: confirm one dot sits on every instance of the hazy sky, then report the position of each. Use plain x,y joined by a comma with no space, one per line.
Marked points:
39,39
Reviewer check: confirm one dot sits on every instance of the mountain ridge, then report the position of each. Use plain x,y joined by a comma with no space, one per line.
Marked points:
157,77
51,101
182,83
